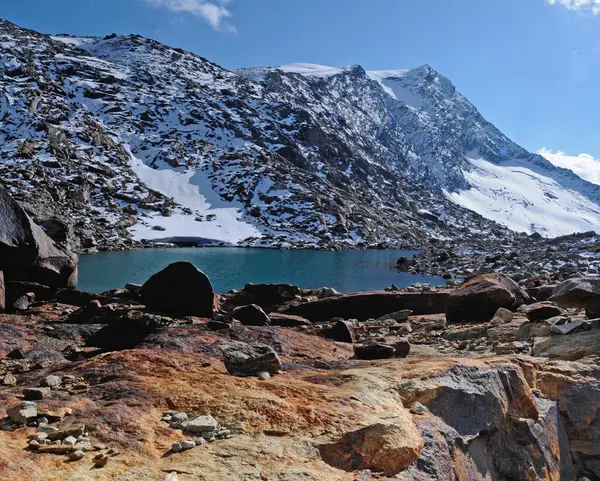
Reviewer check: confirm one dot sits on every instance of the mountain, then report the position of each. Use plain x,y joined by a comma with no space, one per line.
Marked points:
111,141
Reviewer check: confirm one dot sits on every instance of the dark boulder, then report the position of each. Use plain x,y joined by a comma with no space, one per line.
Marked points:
242,359
541,311
73,297
133,328
342,331
17,289
263,295
180,288
27,253
368,305
582,292
370,350
251,315
287,320
479,298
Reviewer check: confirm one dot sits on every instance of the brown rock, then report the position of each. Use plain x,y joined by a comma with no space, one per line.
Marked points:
479,298
386,447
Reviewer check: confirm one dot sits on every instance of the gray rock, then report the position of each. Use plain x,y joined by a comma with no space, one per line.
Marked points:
76,455
201,424
398,316
325,292
34,444
418,408
22,412
176,447
570,327
52,381
187,444
263,375
179,417
9,380
583,292
200,441
245,359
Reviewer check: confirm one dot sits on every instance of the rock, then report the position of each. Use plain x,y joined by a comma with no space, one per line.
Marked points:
398,316
2,292
479,298
569,328
200,441
263,295
502,316
171,477
52,381
325,292
101,460
76,455
34,444
176,447
251,315
342,331
249,359
572,347
514,347
72,440
583,292
263,376
187,444
418,408
55,448
401,348
287,320
75,430
180,288
27,253
22,412
201,424
9,380
22,303
73,297
373,350
132,328
541,311
386,447
178,417
17,289
368,305
36,393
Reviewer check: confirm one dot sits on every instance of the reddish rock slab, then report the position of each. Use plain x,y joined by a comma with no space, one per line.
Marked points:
370,305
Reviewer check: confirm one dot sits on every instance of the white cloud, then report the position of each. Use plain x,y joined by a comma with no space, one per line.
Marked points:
584,165
592,6
213,11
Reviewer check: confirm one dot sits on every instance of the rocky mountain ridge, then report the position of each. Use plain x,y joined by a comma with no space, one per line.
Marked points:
111,141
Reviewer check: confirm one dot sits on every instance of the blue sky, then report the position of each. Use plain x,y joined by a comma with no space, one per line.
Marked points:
532,67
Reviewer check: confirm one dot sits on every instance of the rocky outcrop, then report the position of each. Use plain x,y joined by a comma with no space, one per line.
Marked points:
27,253
180,288
479,298
370,305
242,359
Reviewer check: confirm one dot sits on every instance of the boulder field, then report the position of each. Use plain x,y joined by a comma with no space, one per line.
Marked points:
279,383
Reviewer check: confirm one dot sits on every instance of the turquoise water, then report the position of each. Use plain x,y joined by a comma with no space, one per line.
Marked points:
232,268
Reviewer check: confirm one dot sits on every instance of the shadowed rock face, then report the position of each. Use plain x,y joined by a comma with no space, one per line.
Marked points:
581,292
27,253
479,298
180,288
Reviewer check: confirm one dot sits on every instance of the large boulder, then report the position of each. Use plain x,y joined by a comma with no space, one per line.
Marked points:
583,292
27,253
368,305
251,315
387,447
242,359
132,328
180,288
479,298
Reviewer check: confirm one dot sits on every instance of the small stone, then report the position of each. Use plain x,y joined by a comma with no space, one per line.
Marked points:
171,477
223,433
84,446
166,418
70,440
201,424
209,437
42,421
100,460
263,375
9,380
76,455
22,412
47,429
200,441
33,444
113,452
36,393
179,417
52,381
187,444
418,408
40,436
176,447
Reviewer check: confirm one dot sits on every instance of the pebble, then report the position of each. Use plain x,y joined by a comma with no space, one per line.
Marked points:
171,477
187,444
52,381
100,460
179,417
263,375
202,424
200,441
33,444
418,408
76,455
176,447
9,380
41,421
70,440
40,436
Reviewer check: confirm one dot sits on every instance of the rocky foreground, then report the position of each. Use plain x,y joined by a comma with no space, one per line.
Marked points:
492,380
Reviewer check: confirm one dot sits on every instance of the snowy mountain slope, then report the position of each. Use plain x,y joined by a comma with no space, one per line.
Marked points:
109,141
449,145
